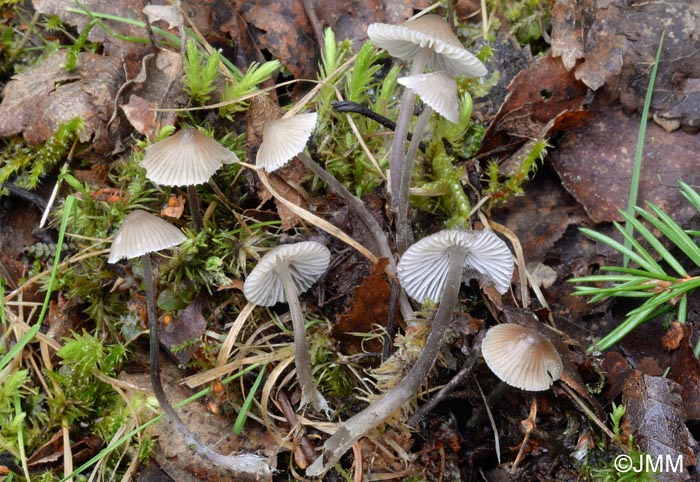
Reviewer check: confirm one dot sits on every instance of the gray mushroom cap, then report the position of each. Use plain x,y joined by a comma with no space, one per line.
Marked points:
438,90
186,158
521,357
142,233
423,268
306,262
283,139
432,31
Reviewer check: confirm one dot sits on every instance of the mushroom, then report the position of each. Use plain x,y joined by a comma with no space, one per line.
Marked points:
140,234
521,357
427,40
186,158
279,277
285,138
432,268
438,90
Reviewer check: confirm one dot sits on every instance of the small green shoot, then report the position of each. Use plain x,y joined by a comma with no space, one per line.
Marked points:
200,72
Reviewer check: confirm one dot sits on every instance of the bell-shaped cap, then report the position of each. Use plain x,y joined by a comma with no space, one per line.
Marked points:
283,139
423,268
438,90
521,357
429,31
306,262
186,158
142,233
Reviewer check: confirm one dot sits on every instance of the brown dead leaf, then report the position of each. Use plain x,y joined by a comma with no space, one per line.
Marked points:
655,416
289,220
595,163
35,102
113,46
537,96
175,207
142,115
186,328
283,29
369,309
617,42
684,368
49,457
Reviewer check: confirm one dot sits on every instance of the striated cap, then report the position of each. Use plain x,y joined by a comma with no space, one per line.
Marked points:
186,158
283,139
429,31
438,90
423,268
142,233
521,357
306,262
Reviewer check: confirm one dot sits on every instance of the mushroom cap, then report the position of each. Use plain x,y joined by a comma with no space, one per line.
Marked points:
521,357
423,268
186,158
429,31
283,139
142,233
438,90
306,262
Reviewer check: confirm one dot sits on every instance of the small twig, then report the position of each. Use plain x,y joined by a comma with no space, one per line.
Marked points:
26,195
529,425
347,106
305,444
456,381
314,21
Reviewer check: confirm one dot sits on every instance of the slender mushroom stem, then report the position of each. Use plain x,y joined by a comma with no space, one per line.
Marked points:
239,463
403,228
357,426
359,208
195,211
309,392
397,156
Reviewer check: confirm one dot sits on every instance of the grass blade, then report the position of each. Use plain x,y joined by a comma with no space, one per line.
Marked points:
637,169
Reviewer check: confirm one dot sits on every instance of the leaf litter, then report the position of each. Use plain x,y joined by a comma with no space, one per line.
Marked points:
579,99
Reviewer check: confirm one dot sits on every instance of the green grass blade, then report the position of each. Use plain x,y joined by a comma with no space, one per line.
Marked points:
245,408
640,260
639,272
656,244
690,194
637,169
664,223
31,333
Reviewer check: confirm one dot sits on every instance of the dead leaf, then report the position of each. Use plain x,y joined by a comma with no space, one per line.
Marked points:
617,42
684,368
595,163
369,309
655,416
113,46
289,220
188,327
536,96
37,101
142,116
175,207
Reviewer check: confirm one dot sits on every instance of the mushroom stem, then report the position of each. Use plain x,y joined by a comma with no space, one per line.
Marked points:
356,427
397,156
366,218
240,463
403,228
195,211
309,392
